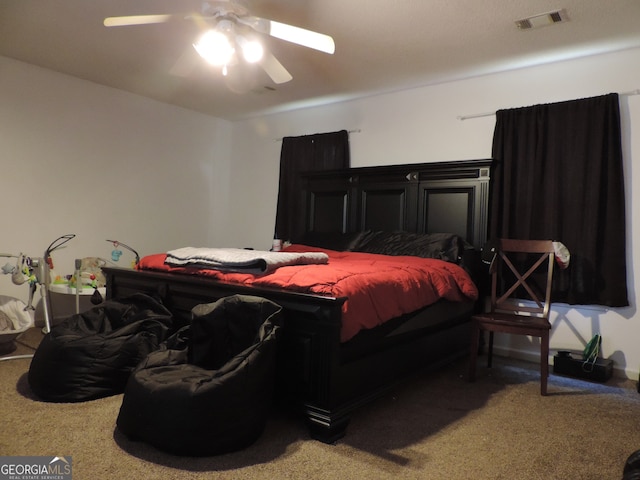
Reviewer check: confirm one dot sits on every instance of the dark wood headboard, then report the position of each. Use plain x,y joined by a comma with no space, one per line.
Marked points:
451,197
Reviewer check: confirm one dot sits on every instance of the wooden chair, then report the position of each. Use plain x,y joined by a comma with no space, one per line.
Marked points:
520,299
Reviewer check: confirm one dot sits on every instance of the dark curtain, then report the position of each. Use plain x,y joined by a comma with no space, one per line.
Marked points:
322,151
558,175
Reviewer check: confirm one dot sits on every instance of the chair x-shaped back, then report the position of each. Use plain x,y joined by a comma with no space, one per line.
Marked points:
513,315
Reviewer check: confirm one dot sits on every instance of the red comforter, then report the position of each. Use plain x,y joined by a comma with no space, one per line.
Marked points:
378,287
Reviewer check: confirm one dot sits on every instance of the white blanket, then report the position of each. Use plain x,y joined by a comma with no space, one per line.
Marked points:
14,315
241,260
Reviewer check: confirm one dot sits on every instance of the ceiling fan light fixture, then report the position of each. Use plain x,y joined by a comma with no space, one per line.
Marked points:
215,48
225,43
252,50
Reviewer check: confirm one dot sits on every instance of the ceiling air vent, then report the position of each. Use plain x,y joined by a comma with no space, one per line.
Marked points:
542,20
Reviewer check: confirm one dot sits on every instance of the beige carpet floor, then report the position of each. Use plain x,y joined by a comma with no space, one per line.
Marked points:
435,426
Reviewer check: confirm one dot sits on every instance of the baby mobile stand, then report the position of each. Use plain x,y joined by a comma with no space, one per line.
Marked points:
35,271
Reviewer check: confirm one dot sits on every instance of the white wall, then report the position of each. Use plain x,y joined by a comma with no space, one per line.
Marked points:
80,158
422,125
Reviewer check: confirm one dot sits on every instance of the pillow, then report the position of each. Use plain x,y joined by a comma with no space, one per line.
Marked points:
444,246
338,241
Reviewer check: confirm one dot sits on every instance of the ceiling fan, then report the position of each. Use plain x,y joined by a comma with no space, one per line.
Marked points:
231,33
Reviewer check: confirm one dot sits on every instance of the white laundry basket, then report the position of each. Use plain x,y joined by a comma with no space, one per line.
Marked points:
15,319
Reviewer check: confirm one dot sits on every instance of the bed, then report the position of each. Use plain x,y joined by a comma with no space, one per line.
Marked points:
323,372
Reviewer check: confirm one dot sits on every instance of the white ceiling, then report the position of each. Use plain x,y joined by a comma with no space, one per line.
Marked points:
381,46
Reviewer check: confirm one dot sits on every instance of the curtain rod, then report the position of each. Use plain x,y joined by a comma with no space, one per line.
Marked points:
488,114
348,131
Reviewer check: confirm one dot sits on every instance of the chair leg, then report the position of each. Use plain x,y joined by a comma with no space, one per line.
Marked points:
490,351
544,362
473,351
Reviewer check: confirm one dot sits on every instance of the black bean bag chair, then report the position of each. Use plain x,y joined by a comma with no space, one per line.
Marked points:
91,355
210,390
632,467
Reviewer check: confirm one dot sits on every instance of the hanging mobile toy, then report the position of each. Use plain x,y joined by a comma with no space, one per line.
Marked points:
116,253
18,275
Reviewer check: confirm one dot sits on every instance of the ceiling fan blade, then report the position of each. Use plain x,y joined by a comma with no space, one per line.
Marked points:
274,69
136,20
301,36
289,33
